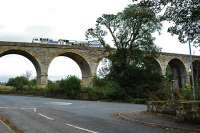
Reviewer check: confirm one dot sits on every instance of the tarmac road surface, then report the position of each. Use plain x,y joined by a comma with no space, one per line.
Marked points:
46,115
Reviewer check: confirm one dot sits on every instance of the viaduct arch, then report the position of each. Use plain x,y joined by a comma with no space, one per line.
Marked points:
88,59
83,64
27,55
41,55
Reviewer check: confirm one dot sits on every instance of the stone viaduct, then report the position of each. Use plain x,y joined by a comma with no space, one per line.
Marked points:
88,59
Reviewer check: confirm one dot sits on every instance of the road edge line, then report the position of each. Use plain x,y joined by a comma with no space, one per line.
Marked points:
80,128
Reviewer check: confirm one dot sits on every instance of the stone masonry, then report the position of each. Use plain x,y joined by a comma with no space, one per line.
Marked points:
87,58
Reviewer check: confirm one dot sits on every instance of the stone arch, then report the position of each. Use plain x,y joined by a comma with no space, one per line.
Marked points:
196,72
82,63
154,63
177,72
29,57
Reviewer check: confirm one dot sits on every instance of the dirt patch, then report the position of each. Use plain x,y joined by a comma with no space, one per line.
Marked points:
10,125
158,120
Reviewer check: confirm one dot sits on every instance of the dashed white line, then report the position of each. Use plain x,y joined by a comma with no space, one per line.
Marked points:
22,108
4,107
27,108
60,103
34,109
49,118
83,129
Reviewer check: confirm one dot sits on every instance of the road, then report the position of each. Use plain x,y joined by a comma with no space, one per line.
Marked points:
46,115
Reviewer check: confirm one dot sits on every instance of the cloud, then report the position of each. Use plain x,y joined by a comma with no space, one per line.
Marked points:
15,37
2,27
26,34
39,30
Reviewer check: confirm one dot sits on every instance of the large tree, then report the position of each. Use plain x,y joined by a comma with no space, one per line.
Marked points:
185,14
131,31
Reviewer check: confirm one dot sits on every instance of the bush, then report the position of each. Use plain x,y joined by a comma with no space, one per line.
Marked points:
185,93
89,93
53,89
104,89
6,89
112,91
18,82
136,81
71,86
136,100
163,93
107,90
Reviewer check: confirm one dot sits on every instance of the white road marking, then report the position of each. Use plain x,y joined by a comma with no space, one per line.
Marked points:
27,108
60,103
22,108
34,109
83,129
49,118
4,107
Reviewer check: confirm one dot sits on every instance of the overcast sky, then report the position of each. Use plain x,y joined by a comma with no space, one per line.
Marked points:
21,20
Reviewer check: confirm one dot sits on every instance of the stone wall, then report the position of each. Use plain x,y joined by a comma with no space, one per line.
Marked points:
181,110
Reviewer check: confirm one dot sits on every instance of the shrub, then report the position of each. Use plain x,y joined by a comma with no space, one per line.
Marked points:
136,100
113,91
33,82
104,89
163,93
53,89
71,86
185,93
89,93
6,89
18,82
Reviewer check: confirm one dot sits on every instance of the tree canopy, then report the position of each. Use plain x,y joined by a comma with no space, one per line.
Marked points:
185,14
131,31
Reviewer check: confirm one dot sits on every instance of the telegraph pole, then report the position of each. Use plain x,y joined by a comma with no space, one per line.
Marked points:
191,65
